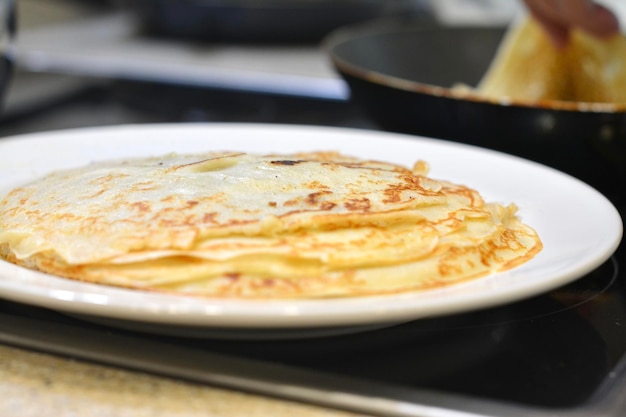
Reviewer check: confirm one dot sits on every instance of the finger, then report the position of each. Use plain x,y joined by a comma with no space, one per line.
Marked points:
592,18
547,9
548,17
558,33
585,14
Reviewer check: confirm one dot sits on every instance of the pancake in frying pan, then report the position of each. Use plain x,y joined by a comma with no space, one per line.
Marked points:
529,68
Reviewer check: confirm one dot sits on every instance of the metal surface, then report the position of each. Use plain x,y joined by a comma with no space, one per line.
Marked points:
135,352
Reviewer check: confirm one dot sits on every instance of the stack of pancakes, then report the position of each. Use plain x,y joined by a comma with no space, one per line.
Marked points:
232,224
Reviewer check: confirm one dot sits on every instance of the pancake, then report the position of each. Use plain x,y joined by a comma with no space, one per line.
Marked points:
528,67
234,224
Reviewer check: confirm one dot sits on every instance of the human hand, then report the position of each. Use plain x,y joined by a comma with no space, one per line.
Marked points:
558,17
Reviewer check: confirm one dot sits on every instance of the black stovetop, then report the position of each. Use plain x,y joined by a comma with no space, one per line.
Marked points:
563,350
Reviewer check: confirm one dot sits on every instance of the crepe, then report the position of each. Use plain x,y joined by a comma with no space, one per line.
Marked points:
528,67
234,224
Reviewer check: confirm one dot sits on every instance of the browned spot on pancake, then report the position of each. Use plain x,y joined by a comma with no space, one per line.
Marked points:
313,199
286,162
209,217
360,204
290,203
316,185
232,276
141,206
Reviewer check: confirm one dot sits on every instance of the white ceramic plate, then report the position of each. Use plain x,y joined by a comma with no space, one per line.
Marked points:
579,227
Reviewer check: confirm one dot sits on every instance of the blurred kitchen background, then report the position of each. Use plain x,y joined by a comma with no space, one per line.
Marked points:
101,62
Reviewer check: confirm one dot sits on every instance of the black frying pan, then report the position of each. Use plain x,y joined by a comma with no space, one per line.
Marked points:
400,73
